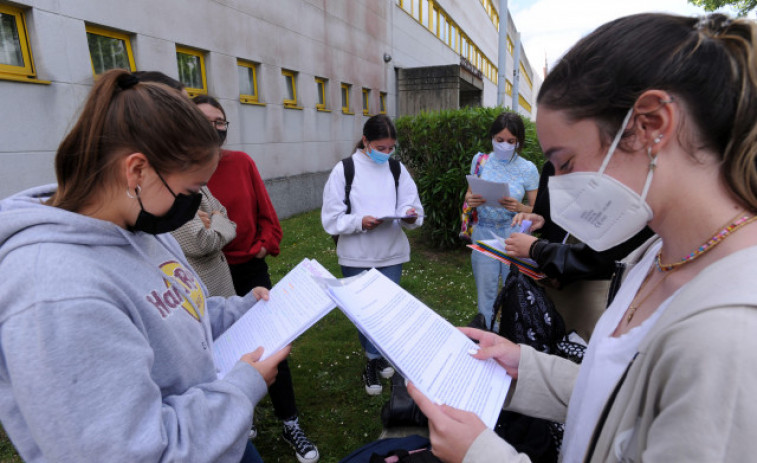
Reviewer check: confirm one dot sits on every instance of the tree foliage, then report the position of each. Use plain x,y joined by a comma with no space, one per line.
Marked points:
743,6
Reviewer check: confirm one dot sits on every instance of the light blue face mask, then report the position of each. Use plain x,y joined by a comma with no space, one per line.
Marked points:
378,157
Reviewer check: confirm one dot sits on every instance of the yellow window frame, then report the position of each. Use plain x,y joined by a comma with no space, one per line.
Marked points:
366,102
96,30
253,98
291,77
25,72
345,89
524,104
525,75
382,102
320,87
192,91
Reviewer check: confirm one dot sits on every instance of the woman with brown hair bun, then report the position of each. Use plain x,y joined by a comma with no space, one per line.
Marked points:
106,331
649,120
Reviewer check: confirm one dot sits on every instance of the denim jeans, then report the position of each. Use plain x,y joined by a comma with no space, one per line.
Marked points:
487,272
394,273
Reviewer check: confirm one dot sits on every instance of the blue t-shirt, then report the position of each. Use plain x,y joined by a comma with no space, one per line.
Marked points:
520,174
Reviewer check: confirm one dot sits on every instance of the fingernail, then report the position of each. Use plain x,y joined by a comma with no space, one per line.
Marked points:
472,351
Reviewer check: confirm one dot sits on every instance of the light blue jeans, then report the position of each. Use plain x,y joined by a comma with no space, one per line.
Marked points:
394,273
487,271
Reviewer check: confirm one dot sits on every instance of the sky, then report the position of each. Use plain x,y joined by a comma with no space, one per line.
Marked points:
549,28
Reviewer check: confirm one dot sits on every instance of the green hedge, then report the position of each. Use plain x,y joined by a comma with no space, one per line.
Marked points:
438,148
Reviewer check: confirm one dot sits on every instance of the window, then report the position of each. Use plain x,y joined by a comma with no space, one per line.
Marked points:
382,102
346,98
248,82
366,101
290,88
524,73
15,52
320,93
109,50
191,65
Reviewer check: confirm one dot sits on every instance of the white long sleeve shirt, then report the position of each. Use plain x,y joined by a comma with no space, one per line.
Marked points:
373,193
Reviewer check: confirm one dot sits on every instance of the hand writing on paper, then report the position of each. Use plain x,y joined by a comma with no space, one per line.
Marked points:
493,346
370,222
518,244
267,368
537,221
413,215
451,431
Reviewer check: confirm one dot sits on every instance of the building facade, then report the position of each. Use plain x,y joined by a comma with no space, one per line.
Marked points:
297,78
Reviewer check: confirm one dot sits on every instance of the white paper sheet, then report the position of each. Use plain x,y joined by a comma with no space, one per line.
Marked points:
423,346
492,192
296,303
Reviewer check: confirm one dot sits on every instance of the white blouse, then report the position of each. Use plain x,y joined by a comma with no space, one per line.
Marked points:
606,359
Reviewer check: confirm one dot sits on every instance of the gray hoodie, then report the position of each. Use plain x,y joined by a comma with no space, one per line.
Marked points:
106,338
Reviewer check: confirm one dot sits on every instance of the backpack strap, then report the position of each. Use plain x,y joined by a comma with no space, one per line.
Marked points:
349,176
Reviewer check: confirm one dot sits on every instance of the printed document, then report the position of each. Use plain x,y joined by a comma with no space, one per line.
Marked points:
296,303
423,346
492,192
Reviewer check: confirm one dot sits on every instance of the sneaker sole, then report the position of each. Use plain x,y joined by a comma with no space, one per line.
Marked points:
373,390
302,459
387,373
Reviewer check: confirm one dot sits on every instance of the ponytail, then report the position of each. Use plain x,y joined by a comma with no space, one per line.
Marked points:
123,115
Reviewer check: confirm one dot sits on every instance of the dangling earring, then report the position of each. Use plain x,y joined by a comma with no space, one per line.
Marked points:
658,139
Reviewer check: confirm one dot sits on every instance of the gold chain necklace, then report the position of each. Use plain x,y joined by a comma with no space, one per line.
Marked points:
634,304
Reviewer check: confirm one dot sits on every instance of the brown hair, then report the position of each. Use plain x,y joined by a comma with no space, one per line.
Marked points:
123,115
709,64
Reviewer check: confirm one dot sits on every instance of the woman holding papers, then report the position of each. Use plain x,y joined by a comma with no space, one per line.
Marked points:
106,330
645,117
502,165
238,185
370,228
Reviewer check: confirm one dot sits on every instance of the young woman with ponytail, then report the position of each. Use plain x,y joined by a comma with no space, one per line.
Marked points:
106,332
649,120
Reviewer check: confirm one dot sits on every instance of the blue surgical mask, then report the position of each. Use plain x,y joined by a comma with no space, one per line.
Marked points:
378,157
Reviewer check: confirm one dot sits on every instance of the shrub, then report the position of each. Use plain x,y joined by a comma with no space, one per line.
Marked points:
438,148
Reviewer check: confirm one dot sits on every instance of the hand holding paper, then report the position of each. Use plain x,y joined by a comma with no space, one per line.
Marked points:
491,192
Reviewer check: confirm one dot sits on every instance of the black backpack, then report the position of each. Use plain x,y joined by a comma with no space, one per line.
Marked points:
349,176
528,316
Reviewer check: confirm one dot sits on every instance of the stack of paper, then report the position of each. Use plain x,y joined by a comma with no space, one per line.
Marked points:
496,250
419,343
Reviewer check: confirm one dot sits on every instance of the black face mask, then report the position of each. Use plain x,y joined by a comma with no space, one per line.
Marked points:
182,211
221,135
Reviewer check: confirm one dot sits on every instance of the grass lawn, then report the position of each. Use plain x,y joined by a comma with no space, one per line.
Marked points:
327,361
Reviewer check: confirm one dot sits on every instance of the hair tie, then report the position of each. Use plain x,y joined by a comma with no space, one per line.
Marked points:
127,81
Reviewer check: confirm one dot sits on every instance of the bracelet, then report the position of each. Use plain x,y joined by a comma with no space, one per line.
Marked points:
531,249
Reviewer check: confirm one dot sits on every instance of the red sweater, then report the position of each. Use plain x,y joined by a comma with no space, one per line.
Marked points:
236,183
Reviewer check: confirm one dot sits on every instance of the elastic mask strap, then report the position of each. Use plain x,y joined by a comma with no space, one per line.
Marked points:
615,141
652,166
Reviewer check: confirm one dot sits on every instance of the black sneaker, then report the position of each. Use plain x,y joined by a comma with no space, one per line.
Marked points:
305,451
371,378
384,368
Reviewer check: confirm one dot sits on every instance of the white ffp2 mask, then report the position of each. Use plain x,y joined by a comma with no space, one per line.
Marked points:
597,209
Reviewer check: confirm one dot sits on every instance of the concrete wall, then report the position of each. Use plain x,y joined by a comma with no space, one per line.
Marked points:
340,40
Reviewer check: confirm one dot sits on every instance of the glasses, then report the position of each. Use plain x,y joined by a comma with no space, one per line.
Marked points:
220,125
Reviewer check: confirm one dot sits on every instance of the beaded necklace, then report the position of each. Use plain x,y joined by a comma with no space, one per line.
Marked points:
711,243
